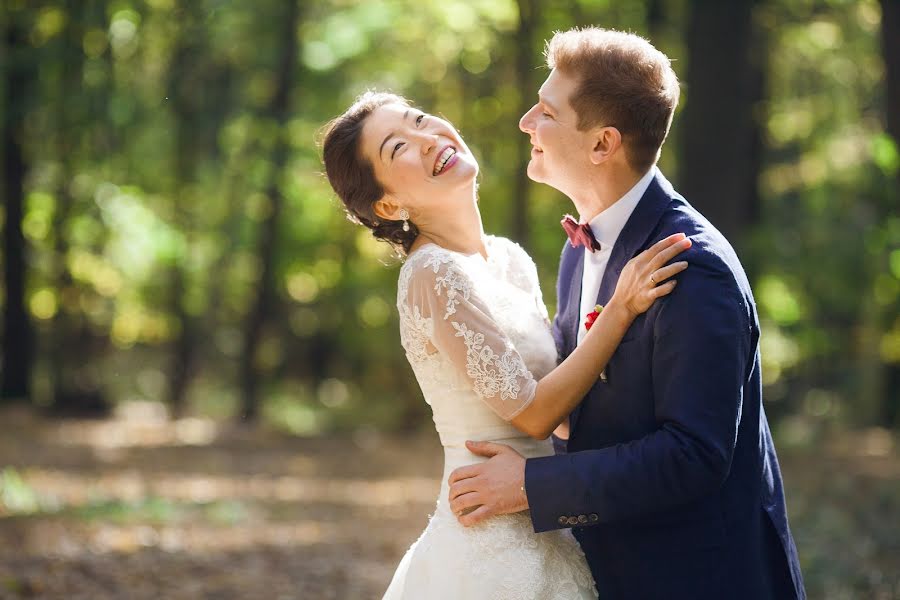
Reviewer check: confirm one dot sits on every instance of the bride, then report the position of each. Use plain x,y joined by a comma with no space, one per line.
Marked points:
476,333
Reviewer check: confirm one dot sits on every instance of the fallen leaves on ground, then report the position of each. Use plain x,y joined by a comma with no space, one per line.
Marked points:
139,507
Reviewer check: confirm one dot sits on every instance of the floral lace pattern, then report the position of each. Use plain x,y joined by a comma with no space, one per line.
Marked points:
490,373
441,299
452,283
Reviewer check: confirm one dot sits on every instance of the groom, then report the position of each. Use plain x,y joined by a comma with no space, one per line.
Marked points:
668,478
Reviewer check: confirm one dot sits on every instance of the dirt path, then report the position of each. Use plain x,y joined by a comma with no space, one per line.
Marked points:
140,508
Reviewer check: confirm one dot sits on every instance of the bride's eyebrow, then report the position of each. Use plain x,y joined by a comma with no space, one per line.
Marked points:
380,148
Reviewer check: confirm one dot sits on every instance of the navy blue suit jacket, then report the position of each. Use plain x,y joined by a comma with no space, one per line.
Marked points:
669,478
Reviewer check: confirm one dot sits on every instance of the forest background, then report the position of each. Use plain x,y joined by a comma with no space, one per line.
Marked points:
170,242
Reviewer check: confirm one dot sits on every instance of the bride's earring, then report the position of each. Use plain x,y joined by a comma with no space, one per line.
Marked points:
405,216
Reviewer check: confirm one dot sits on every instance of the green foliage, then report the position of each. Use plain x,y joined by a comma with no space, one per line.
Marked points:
16,496
828,217
885,155
158,510
150,150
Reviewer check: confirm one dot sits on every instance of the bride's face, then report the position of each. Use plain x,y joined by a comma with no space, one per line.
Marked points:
417,157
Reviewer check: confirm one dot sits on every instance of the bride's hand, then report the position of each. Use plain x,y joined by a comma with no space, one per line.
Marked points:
644,278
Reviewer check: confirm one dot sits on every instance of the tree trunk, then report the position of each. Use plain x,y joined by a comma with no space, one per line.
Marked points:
656,20
525,81
199,87
278,110
720,138
182,349
578,16
182,357
17,330
890,47
76,392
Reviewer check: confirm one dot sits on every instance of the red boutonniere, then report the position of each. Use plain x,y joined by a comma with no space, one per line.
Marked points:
592,316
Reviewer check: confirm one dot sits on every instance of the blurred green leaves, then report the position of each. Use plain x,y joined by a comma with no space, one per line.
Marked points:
16,496
778,301
131,195
885,154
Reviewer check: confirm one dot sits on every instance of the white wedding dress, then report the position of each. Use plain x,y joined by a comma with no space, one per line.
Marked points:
477,336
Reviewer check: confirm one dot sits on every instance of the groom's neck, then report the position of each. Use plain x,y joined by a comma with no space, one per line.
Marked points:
602,189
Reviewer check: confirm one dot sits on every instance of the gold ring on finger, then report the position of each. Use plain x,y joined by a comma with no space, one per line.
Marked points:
652,279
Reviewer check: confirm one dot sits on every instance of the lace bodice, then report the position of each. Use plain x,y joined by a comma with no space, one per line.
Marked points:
477,336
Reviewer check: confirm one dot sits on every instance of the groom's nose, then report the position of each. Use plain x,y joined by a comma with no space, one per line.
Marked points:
526,123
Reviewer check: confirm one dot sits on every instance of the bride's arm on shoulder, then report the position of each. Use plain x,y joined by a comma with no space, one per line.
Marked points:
557,394
440,292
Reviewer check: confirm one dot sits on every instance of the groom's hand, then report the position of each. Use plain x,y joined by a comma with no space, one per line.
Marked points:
495,487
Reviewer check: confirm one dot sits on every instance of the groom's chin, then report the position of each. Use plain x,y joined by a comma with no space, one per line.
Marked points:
534,173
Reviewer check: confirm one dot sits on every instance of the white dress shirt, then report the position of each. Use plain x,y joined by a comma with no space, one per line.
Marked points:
606,227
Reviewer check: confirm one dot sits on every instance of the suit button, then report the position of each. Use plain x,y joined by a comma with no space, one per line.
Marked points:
582,519
563,521
573,521
593,518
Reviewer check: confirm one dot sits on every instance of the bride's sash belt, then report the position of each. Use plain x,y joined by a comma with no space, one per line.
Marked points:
459,456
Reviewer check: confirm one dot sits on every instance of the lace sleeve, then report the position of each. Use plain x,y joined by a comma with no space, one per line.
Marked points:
464,331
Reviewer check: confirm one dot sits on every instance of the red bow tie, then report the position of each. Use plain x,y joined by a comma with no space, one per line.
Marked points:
579,234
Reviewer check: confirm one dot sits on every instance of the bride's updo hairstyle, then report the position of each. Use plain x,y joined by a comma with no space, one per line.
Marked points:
351,175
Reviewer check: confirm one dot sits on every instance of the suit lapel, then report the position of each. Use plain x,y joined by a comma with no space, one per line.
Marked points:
634,236
569,296
571,265
574,307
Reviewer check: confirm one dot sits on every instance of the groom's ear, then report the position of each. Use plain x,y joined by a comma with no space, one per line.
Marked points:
607,140
387,208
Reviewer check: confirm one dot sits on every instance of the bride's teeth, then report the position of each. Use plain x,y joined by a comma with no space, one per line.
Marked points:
442,160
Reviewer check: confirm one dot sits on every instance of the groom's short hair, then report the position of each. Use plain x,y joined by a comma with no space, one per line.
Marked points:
623,82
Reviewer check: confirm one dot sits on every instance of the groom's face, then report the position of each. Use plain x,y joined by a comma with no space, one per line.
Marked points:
560,154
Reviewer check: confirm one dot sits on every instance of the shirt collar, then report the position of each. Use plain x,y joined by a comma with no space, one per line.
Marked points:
609,224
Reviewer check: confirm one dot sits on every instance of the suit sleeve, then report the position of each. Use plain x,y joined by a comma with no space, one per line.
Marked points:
702,341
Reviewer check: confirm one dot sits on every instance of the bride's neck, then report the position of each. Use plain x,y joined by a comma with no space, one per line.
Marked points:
458,228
